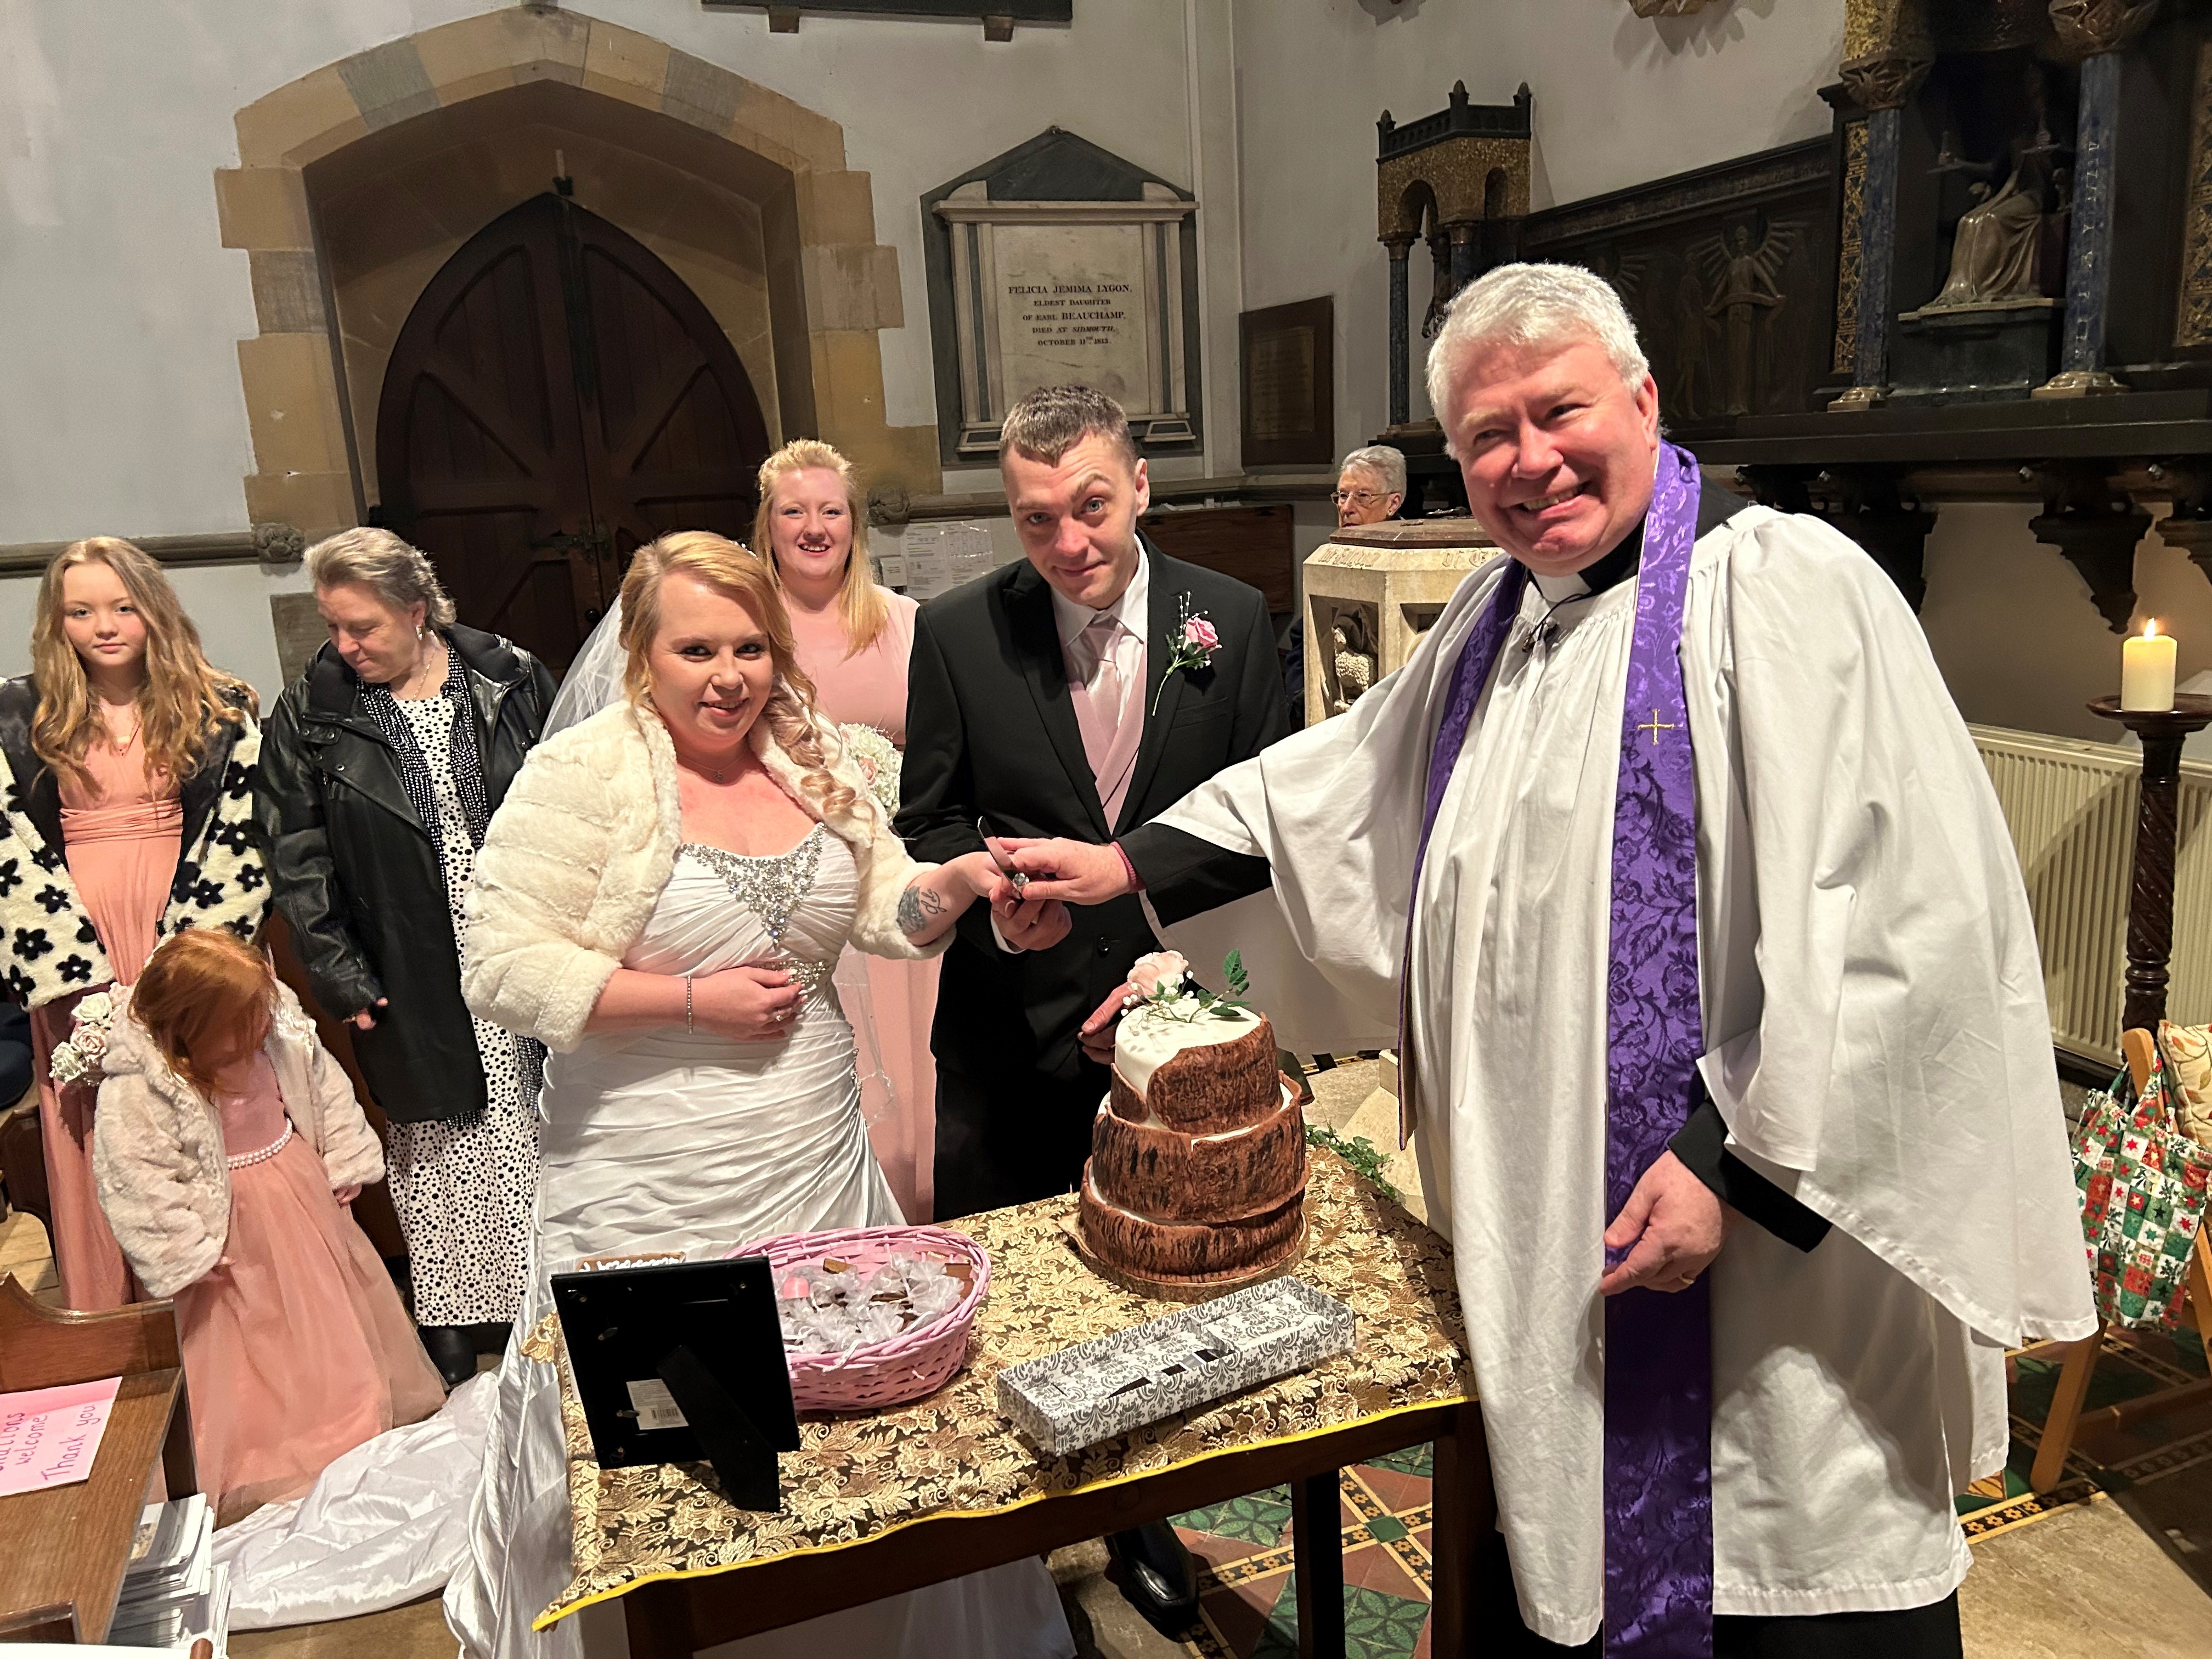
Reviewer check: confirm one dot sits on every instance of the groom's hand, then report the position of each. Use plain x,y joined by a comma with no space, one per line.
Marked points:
1096,1035
1072,871
1030,924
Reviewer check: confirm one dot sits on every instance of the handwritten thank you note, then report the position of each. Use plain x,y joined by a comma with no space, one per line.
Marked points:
49,1437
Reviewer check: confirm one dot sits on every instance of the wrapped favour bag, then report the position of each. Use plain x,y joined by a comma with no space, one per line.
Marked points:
2142,1184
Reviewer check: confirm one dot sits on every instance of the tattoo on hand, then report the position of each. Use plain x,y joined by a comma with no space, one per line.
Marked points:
917,907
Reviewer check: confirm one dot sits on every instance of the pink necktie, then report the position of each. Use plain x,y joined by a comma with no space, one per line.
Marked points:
1112,724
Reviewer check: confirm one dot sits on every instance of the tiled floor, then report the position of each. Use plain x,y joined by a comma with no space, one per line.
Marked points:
1249,1598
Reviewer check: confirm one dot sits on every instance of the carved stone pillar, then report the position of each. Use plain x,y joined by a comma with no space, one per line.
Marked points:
1463,252
1440,282
1881,81
2095,30
1401,331
2096,525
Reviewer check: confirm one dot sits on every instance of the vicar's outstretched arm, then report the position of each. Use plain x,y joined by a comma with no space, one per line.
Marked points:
1072,871
1180,872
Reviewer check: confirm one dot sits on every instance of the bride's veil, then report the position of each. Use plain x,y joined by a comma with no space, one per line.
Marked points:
595,678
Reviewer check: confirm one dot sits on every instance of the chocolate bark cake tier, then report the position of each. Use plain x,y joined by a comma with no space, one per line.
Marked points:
1224,1084
1172,1175
1228,1251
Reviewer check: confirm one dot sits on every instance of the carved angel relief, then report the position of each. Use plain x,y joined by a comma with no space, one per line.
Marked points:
1743,291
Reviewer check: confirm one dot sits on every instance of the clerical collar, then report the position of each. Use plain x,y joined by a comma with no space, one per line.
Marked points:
1615,568
1715,507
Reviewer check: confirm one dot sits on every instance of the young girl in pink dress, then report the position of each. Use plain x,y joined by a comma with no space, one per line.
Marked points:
226,1144
124,766
852,639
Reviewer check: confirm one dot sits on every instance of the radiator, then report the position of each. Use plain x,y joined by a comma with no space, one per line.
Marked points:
2071,808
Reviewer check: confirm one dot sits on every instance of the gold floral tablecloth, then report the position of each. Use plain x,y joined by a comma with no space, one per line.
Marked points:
858,1477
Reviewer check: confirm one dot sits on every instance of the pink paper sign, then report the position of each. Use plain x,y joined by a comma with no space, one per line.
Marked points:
49,1437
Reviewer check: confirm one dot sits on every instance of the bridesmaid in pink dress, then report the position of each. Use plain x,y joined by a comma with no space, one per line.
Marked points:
229,1144
852,639
121,734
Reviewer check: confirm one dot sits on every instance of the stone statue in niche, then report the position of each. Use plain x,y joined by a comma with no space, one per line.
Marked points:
1993,254
1356,661
1744,288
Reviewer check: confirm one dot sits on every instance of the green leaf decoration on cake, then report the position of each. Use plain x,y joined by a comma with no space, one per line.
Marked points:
1186,1001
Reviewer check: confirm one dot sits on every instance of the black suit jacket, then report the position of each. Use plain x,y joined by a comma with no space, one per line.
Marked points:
991,733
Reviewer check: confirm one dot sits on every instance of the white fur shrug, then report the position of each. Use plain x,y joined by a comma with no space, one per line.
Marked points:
576,857
157,1150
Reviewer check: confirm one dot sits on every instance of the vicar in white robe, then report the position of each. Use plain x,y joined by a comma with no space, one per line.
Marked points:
1869,1188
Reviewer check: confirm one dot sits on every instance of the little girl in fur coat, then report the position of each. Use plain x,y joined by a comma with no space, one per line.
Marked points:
225,1145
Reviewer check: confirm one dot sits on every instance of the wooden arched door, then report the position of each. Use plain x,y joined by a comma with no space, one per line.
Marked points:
556,397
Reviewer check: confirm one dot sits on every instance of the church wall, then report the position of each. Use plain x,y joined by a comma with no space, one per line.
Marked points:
1619,101
125,412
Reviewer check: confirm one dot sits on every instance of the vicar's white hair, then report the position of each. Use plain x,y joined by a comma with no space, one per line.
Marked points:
1532,305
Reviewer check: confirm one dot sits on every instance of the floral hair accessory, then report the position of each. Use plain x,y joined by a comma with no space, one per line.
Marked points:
1191,645
879,761
76,1058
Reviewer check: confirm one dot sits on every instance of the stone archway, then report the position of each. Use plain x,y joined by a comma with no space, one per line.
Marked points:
830,286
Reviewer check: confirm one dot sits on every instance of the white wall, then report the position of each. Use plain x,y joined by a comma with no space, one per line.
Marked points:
123,412
1619,101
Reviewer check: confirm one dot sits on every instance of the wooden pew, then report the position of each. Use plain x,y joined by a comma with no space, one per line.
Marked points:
64,1549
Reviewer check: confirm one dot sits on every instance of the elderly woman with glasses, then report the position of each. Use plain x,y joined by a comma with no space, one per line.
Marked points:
383,764
1370,487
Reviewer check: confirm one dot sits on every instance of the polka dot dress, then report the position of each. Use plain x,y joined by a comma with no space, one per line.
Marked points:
465,1188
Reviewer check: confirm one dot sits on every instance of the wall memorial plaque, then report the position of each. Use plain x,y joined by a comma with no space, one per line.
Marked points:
1288,397
1059,263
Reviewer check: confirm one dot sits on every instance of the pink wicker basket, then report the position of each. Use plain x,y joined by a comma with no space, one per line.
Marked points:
918,1361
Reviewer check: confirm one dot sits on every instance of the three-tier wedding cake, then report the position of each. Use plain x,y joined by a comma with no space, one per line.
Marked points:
1197,1156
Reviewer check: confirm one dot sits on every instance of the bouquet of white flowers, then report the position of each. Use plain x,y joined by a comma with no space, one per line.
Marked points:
76,1058
879,761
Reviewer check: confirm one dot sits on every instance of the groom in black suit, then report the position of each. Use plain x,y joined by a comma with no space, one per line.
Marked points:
1057,696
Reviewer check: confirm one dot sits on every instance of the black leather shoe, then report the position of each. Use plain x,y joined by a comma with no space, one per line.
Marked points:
1157,1576
452,1350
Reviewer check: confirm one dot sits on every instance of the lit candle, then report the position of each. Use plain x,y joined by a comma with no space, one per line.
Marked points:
2147,670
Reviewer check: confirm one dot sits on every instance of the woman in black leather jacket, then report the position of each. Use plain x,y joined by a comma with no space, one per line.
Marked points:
381,765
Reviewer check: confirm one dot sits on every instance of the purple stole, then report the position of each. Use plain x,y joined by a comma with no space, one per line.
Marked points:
1658,1347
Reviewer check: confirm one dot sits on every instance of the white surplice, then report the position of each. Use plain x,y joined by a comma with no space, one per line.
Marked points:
1878,1043
664,1140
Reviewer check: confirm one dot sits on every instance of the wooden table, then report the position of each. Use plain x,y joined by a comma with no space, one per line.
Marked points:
886,1502
63,1550
672,1618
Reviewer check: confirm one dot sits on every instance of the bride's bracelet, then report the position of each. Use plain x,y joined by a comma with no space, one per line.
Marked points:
687,1005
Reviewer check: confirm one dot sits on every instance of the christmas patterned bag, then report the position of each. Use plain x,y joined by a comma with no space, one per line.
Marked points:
2142,1183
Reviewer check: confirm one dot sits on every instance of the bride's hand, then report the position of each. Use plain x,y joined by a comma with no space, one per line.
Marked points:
747,1005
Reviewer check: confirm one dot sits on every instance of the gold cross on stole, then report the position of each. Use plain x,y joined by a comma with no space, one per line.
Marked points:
1654,726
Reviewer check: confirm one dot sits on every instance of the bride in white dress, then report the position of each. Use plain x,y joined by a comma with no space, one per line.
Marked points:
661,901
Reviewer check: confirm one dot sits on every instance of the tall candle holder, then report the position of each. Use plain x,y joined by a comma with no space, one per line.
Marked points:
2150,905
